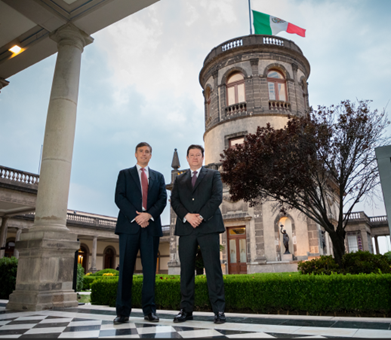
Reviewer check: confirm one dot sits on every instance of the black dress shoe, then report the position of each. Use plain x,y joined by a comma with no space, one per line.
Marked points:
220,317
120,319
183,316
151,317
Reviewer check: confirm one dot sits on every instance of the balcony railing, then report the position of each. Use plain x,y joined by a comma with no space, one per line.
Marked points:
235,109
93,221
378,219
361,216
251,40
232,44
98,221
279,106
18,176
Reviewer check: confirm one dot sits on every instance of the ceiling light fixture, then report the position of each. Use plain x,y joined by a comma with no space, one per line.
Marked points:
15,49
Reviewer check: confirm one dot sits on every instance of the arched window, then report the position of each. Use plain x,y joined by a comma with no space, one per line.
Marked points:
109,258
235,89
9,248
277,86
207,102
82,257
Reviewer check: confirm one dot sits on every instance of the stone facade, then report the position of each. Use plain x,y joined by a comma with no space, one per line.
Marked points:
254,230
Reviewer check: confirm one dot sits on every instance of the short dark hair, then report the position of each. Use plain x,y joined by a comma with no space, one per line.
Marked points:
195,146
140,145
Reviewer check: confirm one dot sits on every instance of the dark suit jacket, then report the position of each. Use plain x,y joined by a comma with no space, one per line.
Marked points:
204,199
128,197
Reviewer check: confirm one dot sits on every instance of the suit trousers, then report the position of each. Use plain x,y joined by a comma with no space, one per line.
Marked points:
129,244
210,250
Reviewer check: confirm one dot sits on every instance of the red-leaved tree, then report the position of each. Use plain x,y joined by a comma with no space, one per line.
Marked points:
321,165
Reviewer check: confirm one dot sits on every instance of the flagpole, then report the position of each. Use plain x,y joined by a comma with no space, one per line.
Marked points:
249,14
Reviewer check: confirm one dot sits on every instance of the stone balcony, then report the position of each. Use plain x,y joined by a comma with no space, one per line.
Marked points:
251,40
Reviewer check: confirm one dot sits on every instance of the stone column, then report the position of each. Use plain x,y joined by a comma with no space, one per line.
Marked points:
3,235
94,250
377,245
47,250
17,238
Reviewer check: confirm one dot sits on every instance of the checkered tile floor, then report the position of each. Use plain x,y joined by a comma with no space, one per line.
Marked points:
97,322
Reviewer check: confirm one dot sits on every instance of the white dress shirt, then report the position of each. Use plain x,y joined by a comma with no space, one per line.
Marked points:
192,174
146,169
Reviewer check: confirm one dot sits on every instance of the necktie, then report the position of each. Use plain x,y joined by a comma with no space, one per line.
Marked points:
194,178
144,185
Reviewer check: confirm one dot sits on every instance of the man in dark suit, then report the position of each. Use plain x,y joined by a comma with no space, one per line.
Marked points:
141,197
196,197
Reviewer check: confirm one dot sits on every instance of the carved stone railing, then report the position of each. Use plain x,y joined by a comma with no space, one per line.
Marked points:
98,221
232,44
379,219
356,216
235,109
279,106
361,216
18,176
251,40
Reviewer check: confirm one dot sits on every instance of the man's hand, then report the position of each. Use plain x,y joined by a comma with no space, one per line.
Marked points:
143,219
194,219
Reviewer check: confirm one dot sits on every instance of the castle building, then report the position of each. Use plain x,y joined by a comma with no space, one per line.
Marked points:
248,82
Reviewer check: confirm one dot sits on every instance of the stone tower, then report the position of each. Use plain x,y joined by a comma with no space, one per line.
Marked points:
248,82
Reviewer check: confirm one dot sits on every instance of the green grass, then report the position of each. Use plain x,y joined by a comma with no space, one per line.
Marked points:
84,298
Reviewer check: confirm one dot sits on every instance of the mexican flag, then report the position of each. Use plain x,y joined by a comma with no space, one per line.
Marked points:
266,24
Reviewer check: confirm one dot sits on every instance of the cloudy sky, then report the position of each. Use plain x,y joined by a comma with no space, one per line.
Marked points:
139,82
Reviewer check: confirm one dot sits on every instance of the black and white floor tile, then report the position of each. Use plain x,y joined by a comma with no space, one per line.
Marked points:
97,322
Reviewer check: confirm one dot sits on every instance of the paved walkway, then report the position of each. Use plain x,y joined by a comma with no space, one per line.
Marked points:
89,321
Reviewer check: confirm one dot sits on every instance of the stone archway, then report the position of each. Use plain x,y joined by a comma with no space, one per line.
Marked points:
109,256
289,225
82,256
9,247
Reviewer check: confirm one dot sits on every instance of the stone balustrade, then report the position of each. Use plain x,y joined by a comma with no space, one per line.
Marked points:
235,109
249,40
18,176
269,40
91,220
88,220
357,216
378,219
279,106
361,216
232,44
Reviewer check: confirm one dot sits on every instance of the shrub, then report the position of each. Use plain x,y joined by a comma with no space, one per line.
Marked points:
269,293
88,279
167,291
352,263
8,269
104,271
80,276
388,256
323,265
365,262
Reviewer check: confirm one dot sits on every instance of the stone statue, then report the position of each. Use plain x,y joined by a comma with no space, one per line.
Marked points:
285,240
323,239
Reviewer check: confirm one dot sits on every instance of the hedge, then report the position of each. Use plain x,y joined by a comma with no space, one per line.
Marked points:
273,293
104,271
88,279
8,268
